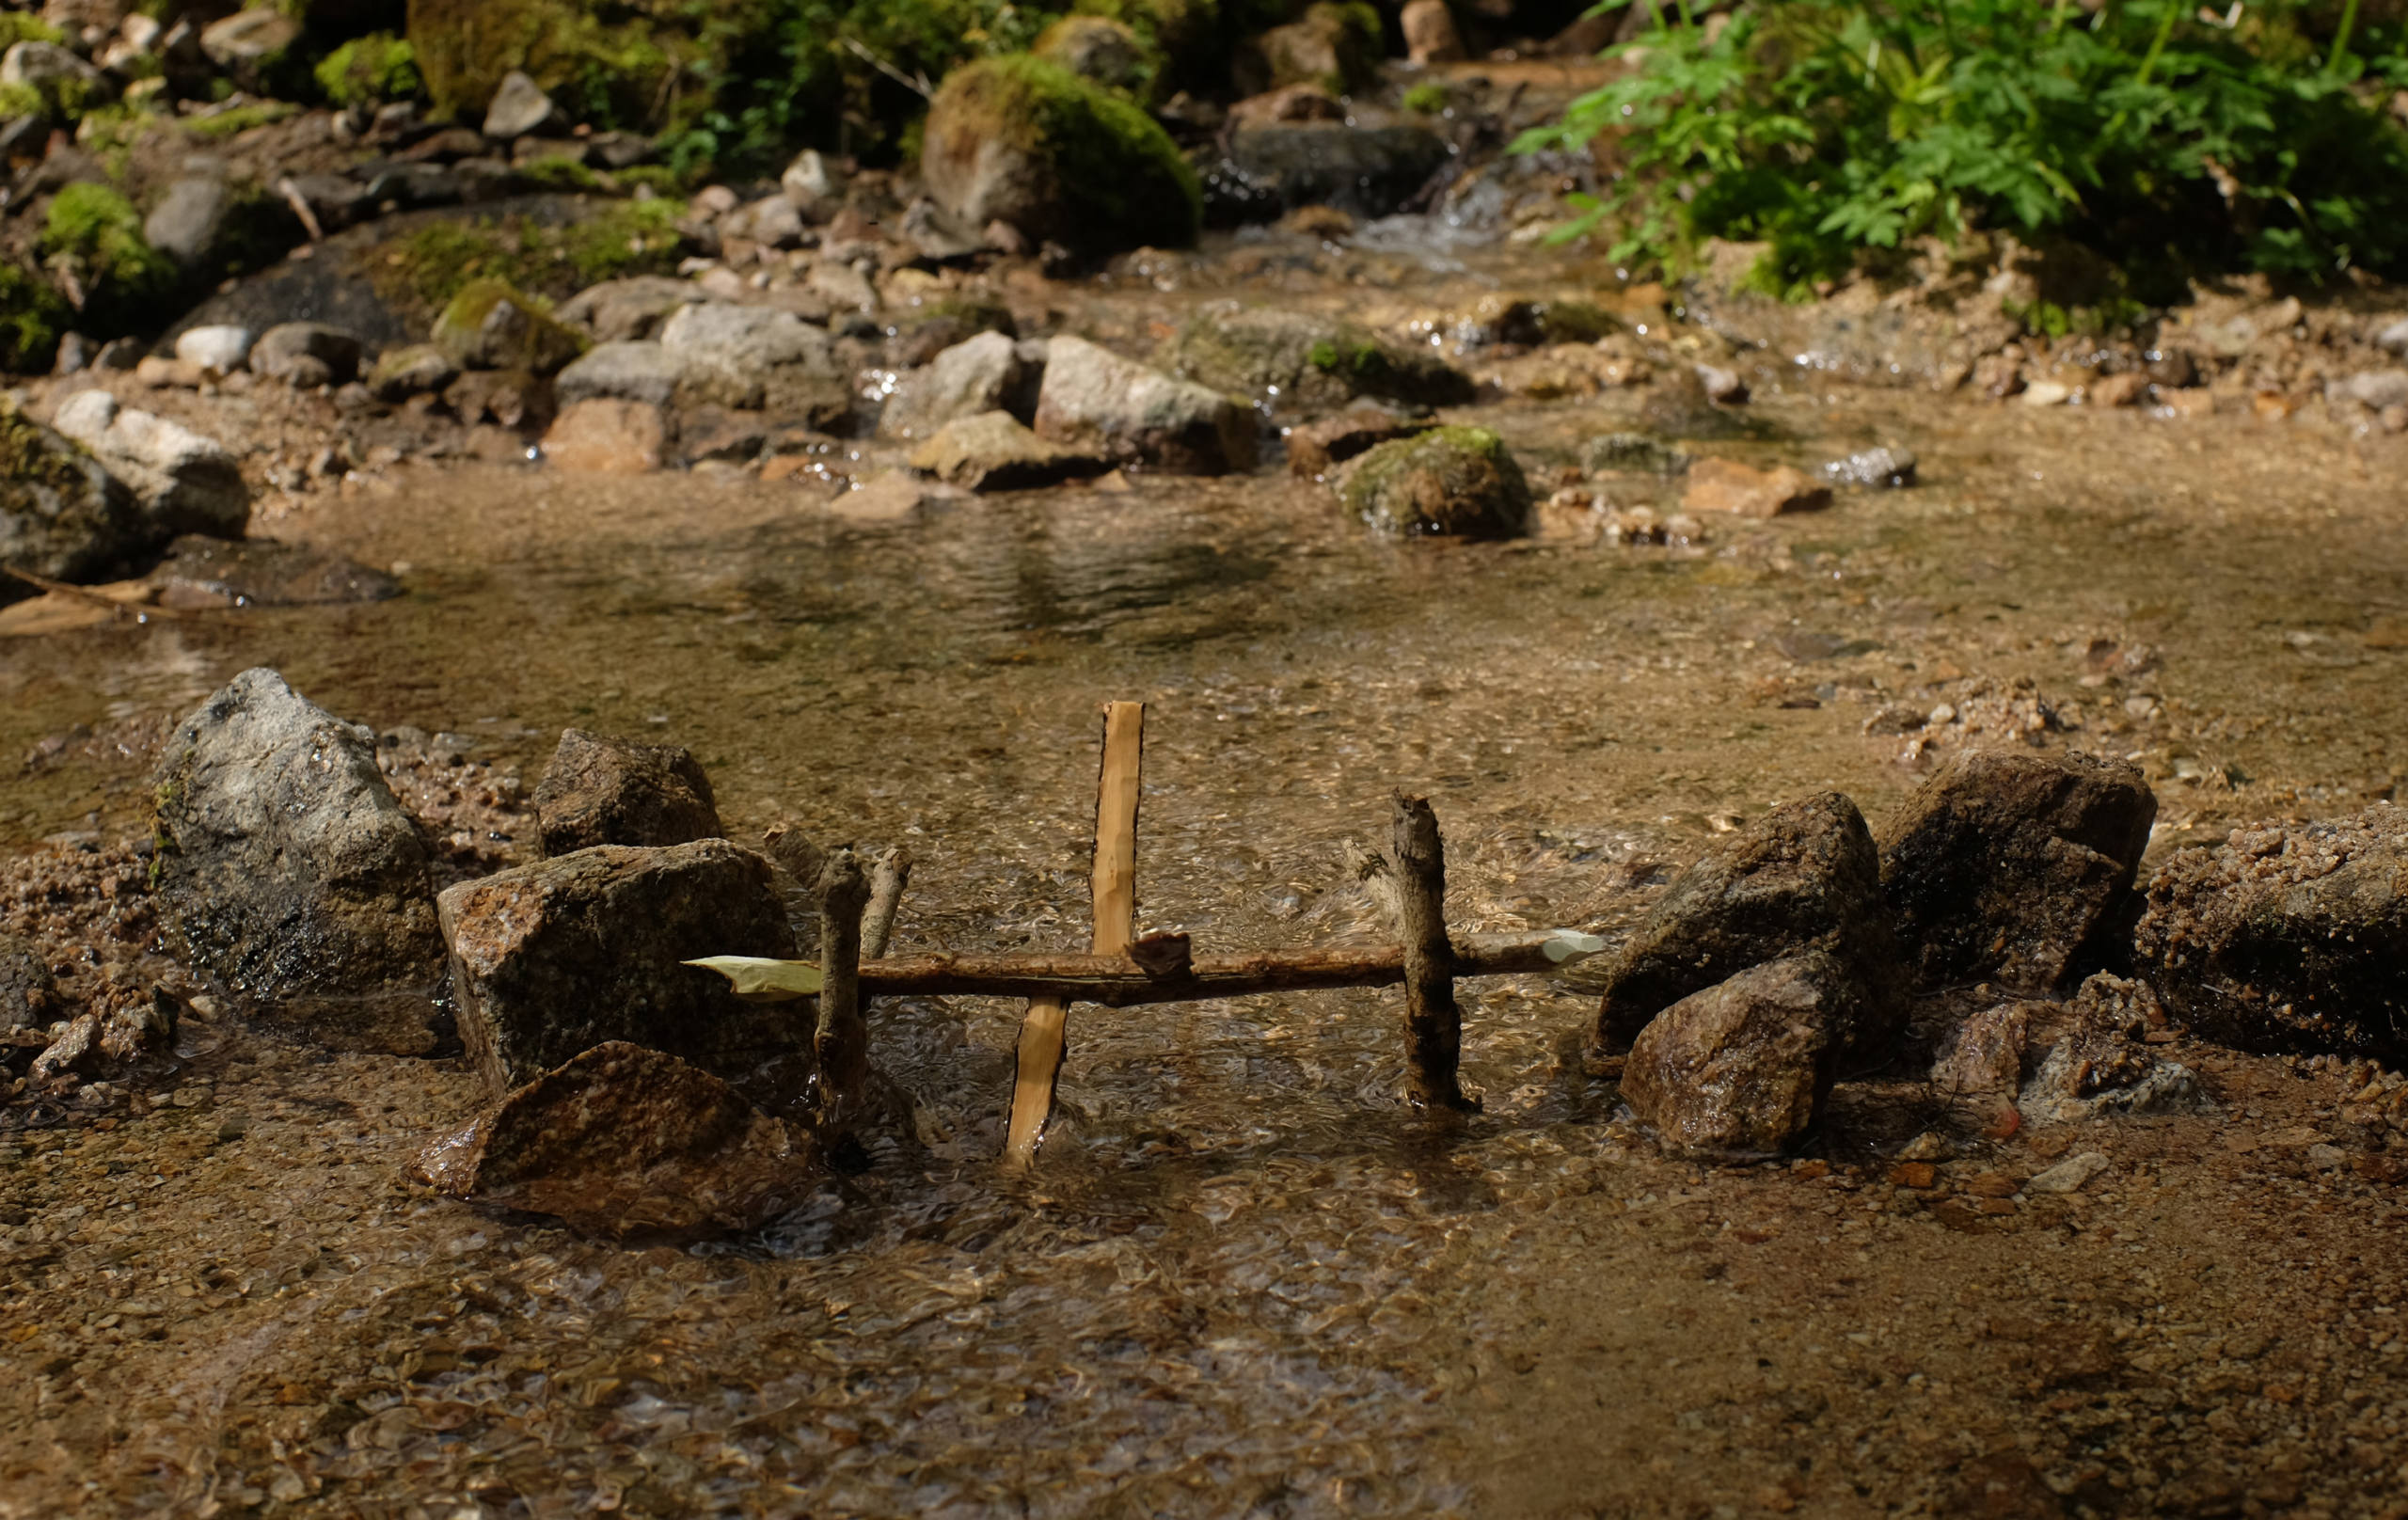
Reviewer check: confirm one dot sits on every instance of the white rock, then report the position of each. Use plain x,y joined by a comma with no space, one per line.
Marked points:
520,109
807,184
2046,393
220,348
186,484
2069,1175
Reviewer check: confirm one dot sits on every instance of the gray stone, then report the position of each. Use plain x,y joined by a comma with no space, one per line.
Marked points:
220,348
1803,878
48,70
553,959
622,371
611,791
189,220
619,309
2015,867
184,482
488,325
28,991
281,353
412,370
248,41
772,220
2287,937
992,452
2069,1175
1094,399
2393,338
810,186
755,358
75,354
2376,388
1295,362
1455,481
287,872
2097,1064
62,513
1740,1069
521,109
980,375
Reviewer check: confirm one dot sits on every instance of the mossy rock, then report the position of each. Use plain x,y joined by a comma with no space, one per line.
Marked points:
1300,363
1059,157
1101,48
607,64
1337,44
32,316
491,325
1456,482
94,232
367,69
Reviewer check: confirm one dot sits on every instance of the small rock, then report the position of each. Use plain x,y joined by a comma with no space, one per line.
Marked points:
620,310
1292,362
1722,386
772,221
2129,388
1984,1053
28,992
217,350
1097,48
184,482
640,373
1739,1068
756,358
1316,449
2014,867
412,370
76,354
1885,467
2046,393
306,353
63,515
1726,485
488,325
2100,1064
50,70
810,186
189,220
1430,35
1369,172
200,571
980,375
2069,1175
612,791
1634,452
1288,104
1925,1146
1803,878
992,452
1458,482
287,871
605,435
2375,389
553,959
895,495
245,42
521,109
1328,45
1094,399
624,1141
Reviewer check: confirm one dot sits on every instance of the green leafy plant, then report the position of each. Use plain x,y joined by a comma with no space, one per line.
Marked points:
2148,130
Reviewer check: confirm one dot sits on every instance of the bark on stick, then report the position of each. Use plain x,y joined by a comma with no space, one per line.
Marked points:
842,1038
1433,1023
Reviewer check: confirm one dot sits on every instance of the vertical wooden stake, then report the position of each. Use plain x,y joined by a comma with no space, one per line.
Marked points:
842,1038
1043,1027
1433,1031
886,884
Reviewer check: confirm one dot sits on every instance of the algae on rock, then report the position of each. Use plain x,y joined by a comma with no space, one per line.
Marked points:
1459,481
1297,362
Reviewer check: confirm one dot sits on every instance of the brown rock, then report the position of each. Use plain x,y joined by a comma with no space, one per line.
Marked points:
992,452
605,435
1314,449
612,791
2128,389
28,992
1430,35
622,1140
1805,876
1740,1069
1285,106
1726,485
1984,1053
553,959
2014,867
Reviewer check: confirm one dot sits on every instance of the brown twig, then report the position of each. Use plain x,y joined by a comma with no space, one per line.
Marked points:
85,594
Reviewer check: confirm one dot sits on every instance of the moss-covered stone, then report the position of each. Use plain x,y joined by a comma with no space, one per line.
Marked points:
94,233
32,316
1300,363
366,70
606,63
1459,481
490,325
1101,48
551,256
1059,157
1336,44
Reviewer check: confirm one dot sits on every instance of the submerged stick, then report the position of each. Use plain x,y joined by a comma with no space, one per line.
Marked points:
1433,1032
1044,1027
886,884
842,1038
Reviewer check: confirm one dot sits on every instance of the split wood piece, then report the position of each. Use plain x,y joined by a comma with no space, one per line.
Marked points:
1433,1023
1125,981
841,1039
886,884
1044,1027
136,610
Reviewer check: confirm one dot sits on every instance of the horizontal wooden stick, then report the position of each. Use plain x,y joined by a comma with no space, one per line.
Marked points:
1121,982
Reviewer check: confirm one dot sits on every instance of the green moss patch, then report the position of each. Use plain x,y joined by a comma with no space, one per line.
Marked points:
93,232
1456,481
421,272
366,69
32,315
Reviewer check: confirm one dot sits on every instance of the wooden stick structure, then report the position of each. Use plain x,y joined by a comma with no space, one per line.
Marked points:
841,1039
1044,1027
1434,1024
886,883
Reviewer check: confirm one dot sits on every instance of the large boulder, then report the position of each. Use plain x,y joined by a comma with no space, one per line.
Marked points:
1367,171
1740,1069
2015,867
982,375
62,513
488,325
182,482
2288,937
750,356
1451,481
612,791
1299,362
553,959
1024,141
992,452
1804,878
625,1141
288,873
1095,400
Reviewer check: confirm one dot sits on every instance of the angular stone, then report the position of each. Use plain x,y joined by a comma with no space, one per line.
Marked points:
412,370
220,348
242,42
488,325
2014,867
521,109
1301,363
2097,1064
992,452
604,435
1803,878
1316,449
980,375
2287,937
624,370
619,309
1741,1067
1453,481
810,186
1093,399
624,1141
1430,35
1984,1053
754,357
28,991
599,790
1726,485
62,514
189,220
185,483
553,959
301,352
771,221
287,872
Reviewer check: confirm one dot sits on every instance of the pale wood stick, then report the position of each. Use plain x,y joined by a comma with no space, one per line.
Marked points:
1126,982
1433,1032
1043,1028
841,1039
886,884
